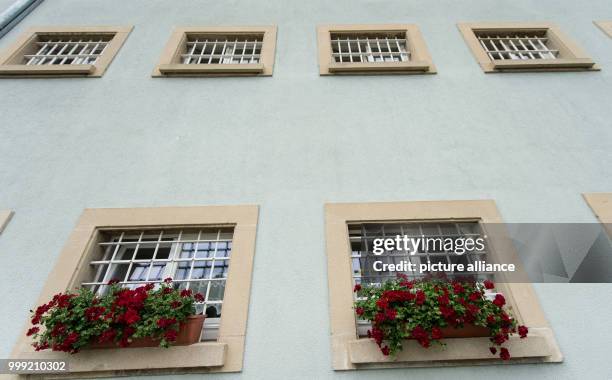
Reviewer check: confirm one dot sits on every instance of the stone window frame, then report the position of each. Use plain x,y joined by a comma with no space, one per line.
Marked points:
605,26
168,66
10,69
574,58
423,64
223,355
5,218
601,205
351,352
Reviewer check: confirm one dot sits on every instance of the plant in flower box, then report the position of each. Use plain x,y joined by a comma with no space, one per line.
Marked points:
432,309
142,317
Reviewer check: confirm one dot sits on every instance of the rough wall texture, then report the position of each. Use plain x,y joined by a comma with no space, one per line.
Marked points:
290,143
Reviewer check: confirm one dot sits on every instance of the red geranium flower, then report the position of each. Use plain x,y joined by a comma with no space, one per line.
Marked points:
499,300
420,297
436,333
168,280
504,354
488,284
199,297
385,350
357,288
493,350
186,293
33,331
523,331
359,311
170,335
165,322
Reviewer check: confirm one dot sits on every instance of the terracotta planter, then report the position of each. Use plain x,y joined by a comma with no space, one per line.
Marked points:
467,331
189,333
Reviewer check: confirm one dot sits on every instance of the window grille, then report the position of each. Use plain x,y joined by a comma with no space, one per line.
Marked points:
194,259
67,50
352,47
519,45
239,49
362,235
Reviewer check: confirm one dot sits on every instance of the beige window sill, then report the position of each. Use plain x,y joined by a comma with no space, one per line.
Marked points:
415,66
46,70
573,63
178,69
536,346
200,355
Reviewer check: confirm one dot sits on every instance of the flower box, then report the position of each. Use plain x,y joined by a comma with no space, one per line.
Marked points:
188,333
467,331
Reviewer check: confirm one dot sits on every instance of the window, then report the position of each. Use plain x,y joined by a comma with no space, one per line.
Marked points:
601,204
350,228
605,26
207,249
379,49
502,47
5,217
362,235
63,51
195,259
217,51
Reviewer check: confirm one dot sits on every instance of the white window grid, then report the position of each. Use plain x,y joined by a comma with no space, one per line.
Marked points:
517,46
234,49
357,48
67,50
361,237
194,259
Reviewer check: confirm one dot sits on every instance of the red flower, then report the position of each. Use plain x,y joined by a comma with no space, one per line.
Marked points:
70,339
436,333
499,339
359,311
33,331
58,330
382,303
165,322
357,288
420,297
523,331
168,280
186,293
473,309
130,317
493,350
113,281
458,288
95,312
504,354
199,297
447,312
167,290
379,318
385,350
488,284
36,319
491,319
377,334
390,314
107,336
475,296
176,304
443,300
149,286
170,335
499,300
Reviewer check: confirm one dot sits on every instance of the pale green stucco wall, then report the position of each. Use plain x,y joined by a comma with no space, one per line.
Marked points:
290,143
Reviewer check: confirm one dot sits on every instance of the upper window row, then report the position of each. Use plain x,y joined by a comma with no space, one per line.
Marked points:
343,49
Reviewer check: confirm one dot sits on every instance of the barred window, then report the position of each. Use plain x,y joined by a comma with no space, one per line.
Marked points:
524,46
64,51
362,235
373,47
210,49
196,259
67,49
517,45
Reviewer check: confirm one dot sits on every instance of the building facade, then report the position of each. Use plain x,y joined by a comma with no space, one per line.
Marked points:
279,146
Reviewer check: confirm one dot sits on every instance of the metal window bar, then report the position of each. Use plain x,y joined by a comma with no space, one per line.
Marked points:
361,237
211,50
369,48
195,259
58,50
515,46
